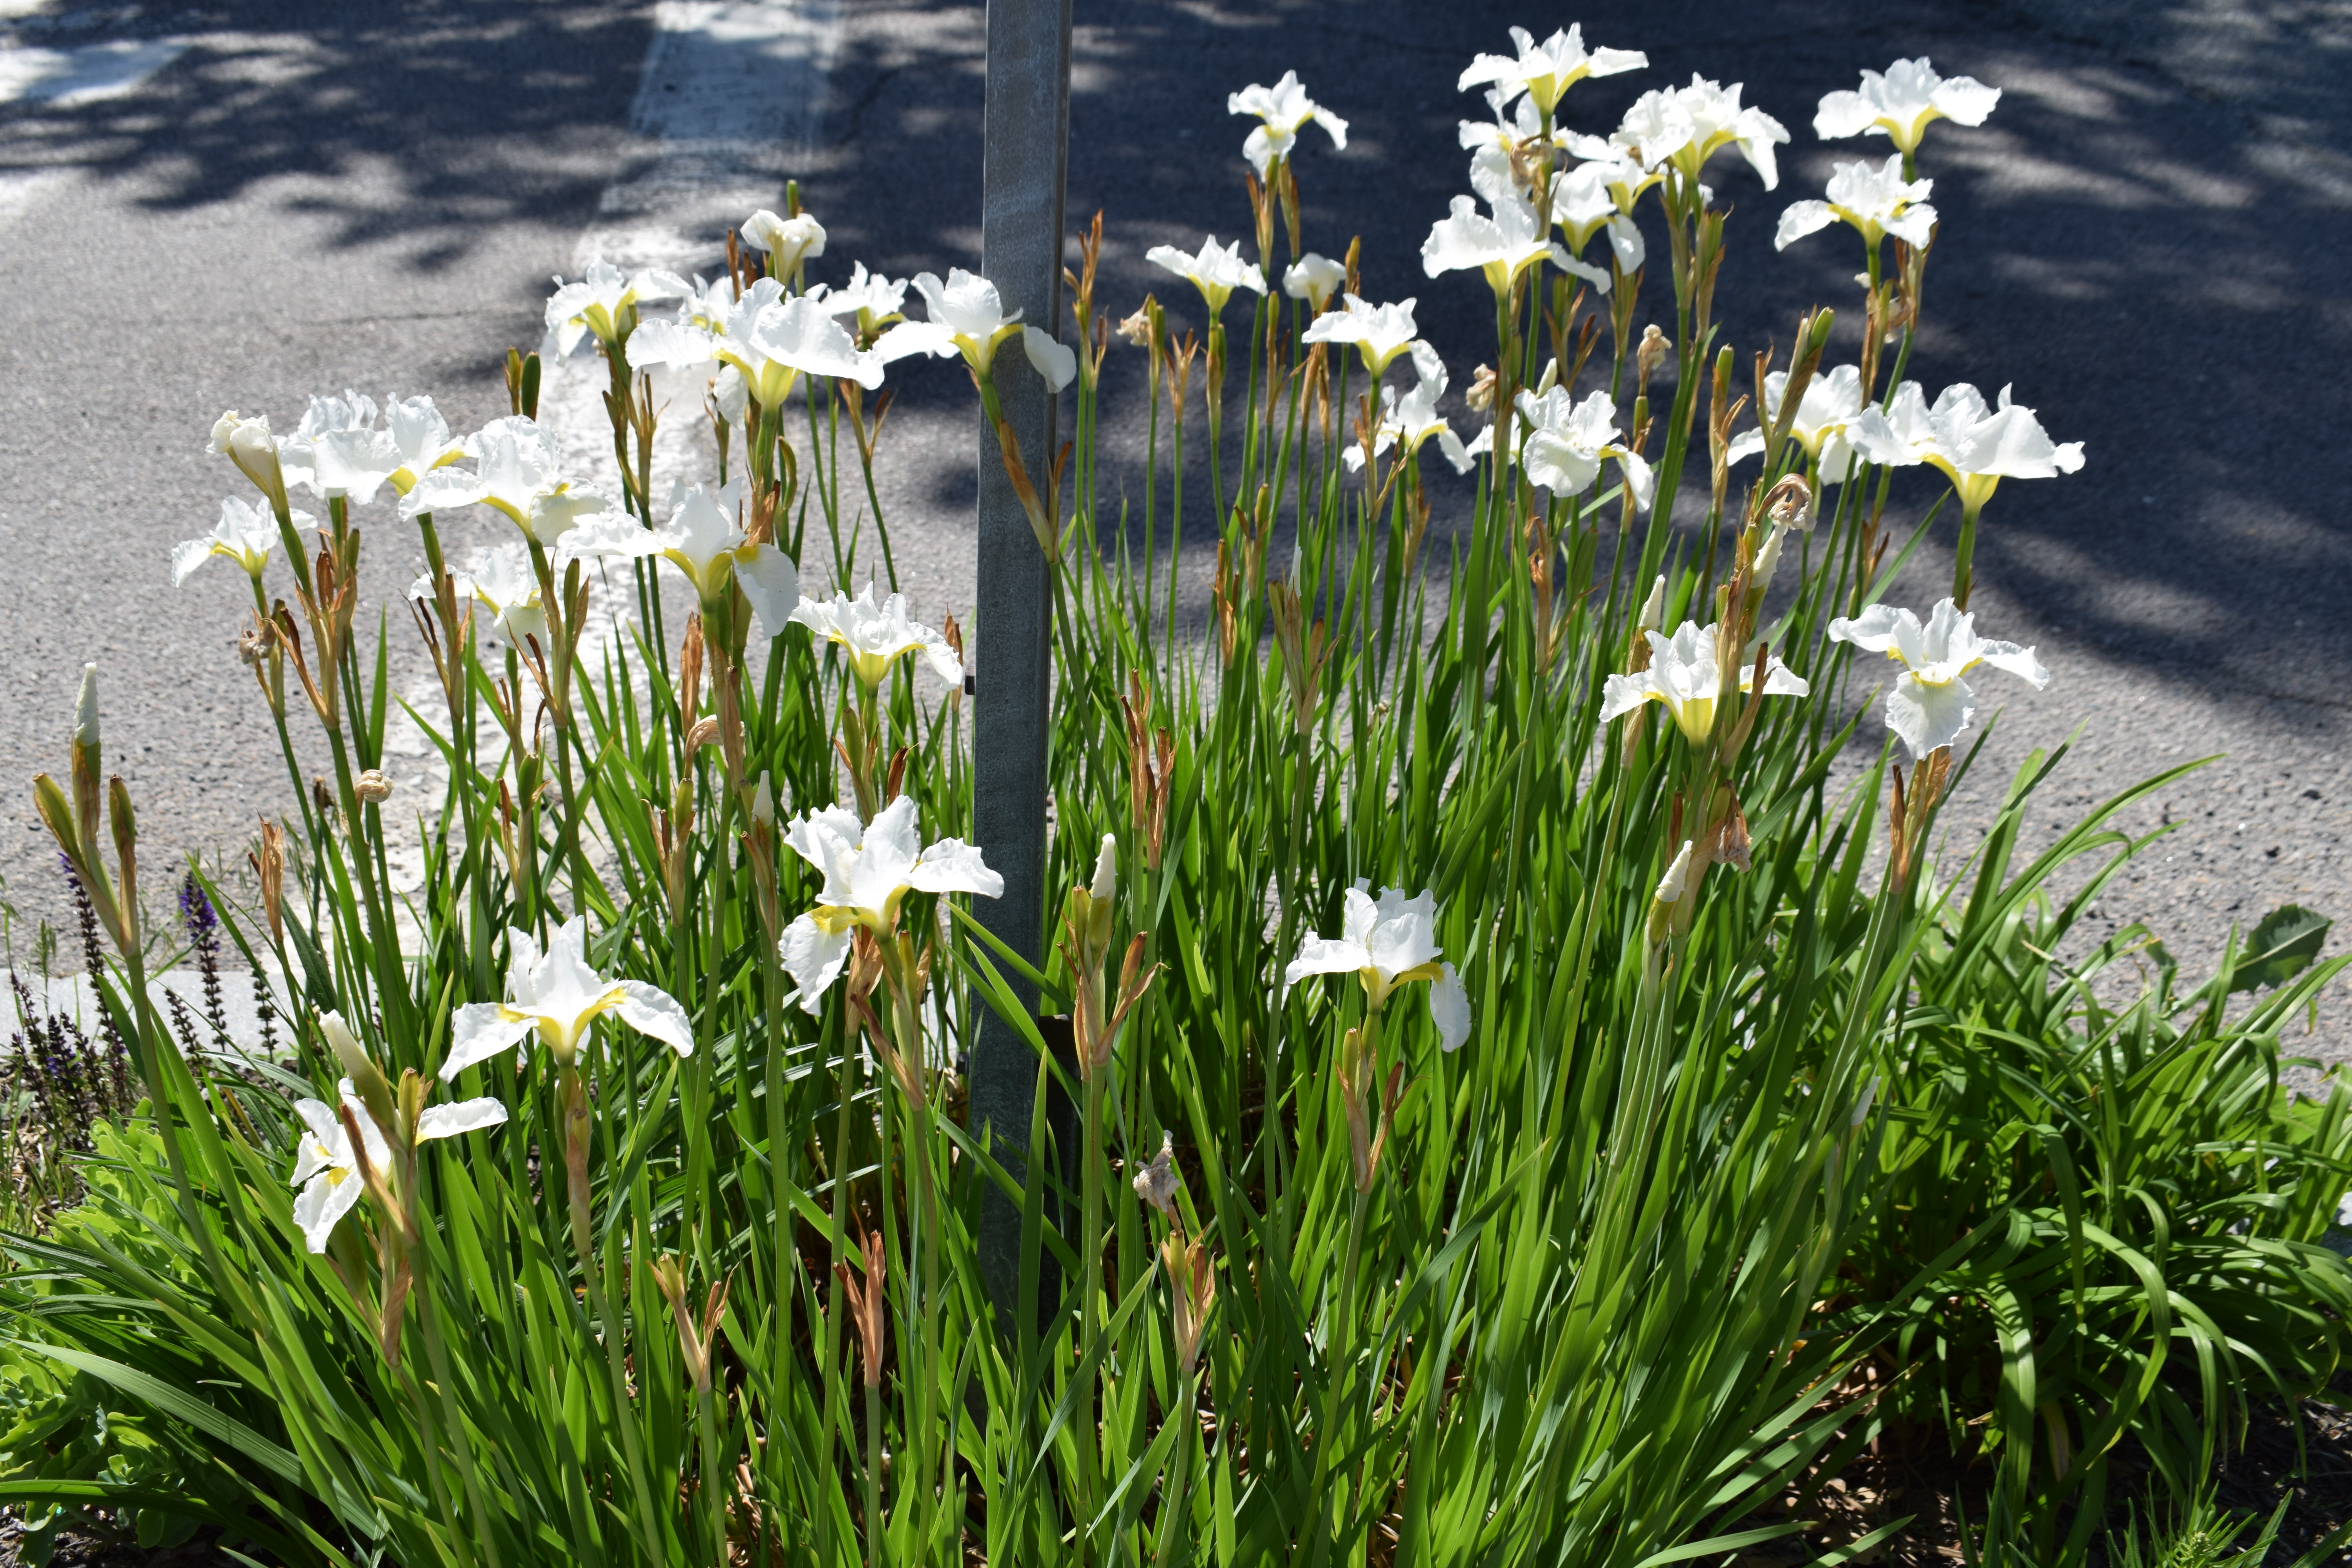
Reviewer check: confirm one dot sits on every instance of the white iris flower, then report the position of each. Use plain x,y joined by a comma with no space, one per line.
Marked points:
1975,446
1286,111
1499,147
1930,704
691,339
707,304
515,472
1386,943
1545,71
791,240
1687,125
246,534
422,439
327,1168
259,454
1379,332
873,638
869,868
1877,199
682,344
1617,170
557,995
1216,270
783,341
604,301
967,318
1901,102
1567,441
1502,246
504,590
705,539
769,338
1825,413
1413,418
1584,204
1682,677
1313,279
338,449
870,299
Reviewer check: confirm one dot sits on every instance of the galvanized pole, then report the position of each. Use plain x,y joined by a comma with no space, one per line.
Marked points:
1024,154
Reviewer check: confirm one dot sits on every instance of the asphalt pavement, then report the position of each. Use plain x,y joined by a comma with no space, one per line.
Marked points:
2145,240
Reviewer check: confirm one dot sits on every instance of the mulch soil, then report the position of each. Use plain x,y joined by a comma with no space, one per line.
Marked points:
1926,1483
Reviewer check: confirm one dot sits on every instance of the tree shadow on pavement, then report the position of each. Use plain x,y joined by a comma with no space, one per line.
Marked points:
422,123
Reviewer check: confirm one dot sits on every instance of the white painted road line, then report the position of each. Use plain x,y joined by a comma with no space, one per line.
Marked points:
747,71
731,96
67,79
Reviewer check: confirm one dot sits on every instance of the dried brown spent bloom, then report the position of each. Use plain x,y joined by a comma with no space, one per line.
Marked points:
1156,1184
1655,346
1790,503
1481,393
270,864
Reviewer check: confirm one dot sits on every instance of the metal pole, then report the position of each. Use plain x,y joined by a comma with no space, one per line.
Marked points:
1024,154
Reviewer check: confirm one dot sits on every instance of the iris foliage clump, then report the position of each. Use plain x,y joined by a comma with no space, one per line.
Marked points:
1498,1098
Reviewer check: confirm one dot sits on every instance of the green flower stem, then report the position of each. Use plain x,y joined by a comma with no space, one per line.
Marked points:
156,1052
877,1549
383,936
1340,1349
1175,1494
722,881
873,506
1964,558
311,825
563,636
400,1235
923,1304
786,1275
1212,372
865,754
457,690
617,408
436,1350
1086,1427
715,1478
571,1099
837,1162
429,1443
